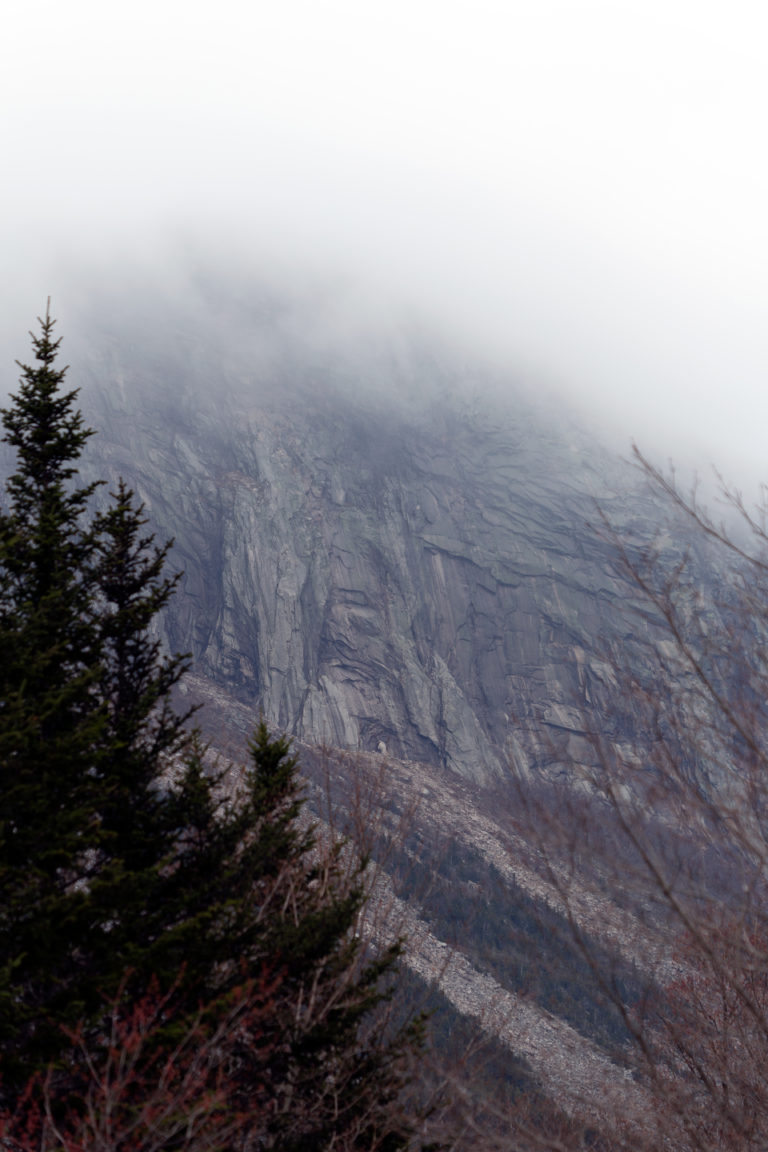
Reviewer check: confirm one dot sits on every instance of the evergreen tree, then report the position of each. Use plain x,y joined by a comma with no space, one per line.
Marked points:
143,727
86,727
52,718
318,1074
122,881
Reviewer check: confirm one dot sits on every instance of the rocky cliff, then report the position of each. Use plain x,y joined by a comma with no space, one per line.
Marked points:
381,550
392,552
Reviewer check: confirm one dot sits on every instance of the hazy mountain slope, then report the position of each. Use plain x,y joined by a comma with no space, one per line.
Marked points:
375,550
392,553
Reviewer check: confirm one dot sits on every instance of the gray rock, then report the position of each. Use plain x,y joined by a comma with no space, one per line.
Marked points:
389,565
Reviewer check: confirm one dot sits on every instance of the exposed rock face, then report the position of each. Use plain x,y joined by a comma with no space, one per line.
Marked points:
386,562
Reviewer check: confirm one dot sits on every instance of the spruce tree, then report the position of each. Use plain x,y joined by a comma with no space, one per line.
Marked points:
128,867
51,715
143,727
87,733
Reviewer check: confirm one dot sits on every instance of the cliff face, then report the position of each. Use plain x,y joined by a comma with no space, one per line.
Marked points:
370,556
381,557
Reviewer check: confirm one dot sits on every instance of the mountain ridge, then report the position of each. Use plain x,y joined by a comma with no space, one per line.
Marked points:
366,570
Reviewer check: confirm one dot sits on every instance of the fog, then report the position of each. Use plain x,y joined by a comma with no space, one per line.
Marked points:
575,190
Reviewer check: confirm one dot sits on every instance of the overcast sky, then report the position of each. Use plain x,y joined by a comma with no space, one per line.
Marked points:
581,188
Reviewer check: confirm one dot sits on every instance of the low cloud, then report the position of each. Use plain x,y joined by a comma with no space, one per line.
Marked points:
576,193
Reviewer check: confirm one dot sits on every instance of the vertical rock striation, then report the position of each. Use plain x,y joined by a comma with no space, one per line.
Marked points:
369,555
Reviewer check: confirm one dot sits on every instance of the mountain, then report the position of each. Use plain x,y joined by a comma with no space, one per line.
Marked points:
395,554
380,550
